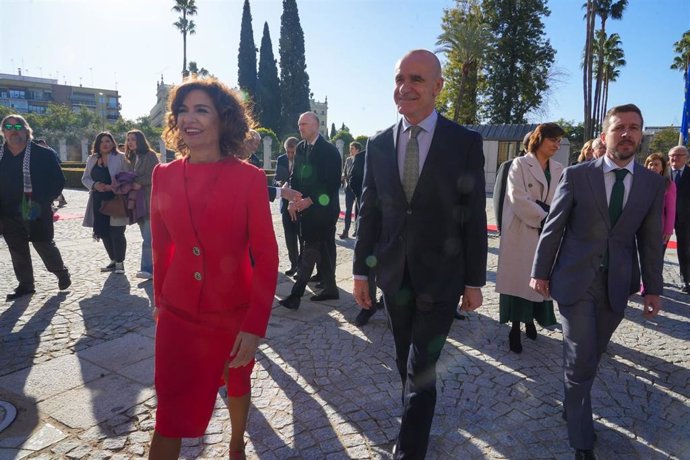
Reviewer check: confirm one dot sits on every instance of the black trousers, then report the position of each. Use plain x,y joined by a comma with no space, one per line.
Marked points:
292,240
419,333
115,242
683,240
349,204
587,329
320,253
17,239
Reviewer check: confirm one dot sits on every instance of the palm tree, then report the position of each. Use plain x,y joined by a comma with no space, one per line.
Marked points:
465,39
604,9
185,26
587,63
682,47
614,59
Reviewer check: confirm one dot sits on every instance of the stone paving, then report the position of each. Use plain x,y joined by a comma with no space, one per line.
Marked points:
78,366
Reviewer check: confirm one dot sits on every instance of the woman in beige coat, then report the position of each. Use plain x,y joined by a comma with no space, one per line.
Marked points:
532,181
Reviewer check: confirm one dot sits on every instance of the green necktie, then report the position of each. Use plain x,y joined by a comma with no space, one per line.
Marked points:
617,193
411,166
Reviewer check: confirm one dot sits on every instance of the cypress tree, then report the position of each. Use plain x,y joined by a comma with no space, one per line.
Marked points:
268,86
294,80
333,131
246,59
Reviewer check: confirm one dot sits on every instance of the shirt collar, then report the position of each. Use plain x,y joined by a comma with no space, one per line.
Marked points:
428,124
609,165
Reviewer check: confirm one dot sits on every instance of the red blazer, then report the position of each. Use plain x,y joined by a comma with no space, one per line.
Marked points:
212,273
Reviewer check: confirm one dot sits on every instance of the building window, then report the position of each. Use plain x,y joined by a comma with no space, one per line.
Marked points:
17,94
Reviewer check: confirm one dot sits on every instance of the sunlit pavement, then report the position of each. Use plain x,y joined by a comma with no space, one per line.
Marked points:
78,366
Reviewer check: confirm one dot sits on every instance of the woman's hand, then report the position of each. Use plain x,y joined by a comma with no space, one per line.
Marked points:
156,312
244,349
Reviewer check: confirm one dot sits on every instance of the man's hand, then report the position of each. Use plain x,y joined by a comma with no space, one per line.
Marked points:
244,349
292,210
541,286
289,194
471,299
652,305
361,294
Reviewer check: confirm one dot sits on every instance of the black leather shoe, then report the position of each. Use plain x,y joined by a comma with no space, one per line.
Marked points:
314,279
343,236
364,315
64,281
19,292
458,315
514,341
324,295
291,272
291,302
318,285
585,454
686,289
531,331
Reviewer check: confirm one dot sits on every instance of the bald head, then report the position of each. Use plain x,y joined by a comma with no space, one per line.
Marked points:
418,82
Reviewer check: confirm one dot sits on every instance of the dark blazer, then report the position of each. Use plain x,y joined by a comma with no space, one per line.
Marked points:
500,187
683,198
317,176
441,235
578,232
282,177
47,182
357,174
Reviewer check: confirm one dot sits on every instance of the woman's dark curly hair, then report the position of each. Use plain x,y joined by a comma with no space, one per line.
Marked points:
235,117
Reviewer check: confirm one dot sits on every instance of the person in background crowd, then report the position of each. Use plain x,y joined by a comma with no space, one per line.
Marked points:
355,148
104,163
587,152
30,180
678,157
142,159
284,168
317,177
598,148
212,303
253,142
532,181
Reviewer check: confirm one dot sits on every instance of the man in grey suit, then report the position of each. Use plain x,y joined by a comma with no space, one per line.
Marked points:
605,213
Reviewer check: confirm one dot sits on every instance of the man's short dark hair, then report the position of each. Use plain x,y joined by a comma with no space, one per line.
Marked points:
621,109
356,145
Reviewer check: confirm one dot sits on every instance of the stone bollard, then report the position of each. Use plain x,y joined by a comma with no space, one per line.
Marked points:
268,141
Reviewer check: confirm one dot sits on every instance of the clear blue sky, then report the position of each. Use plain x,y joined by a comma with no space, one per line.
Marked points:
351,48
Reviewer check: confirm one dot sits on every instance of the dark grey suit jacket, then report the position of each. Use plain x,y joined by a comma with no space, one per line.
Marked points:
578,232
440,236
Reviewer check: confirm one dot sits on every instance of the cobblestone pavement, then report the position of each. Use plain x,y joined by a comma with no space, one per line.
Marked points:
78,367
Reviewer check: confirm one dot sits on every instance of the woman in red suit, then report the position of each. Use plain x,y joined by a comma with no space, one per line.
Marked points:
208,208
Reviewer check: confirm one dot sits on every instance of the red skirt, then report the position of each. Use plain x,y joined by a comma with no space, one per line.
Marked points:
191,355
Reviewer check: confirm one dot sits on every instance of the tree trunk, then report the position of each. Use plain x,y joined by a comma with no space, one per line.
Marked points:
461,92
587,71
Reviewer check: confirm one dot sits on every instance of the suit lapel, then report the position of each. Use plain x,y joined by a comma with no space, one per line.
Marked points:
556,171
596,182
392,160
635,195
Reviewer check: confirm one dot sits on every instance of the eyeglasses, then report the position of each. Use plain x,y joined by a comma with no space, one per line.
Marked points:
15,126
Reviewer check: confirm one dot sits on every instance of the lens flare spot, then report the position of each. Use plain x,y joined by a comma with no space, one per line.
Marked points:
371,261
324,200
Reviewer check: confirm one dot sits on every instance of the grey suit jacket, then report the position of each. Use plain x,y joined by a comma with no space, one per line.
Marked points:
578,232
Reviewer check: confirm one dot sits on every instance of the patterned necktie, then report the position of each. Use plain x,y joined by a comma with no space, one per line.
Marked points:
676,176
411,166
617,194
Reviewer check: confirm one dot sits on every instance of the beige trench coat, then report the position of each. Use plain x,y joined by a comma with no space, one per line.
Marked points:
522,218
